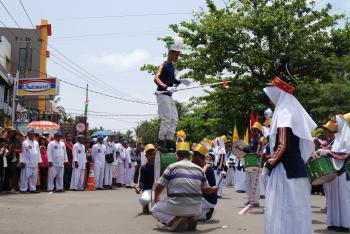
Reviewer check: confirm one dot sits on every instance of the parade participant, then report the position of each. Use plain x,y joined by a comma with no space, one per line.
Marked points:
146,179
252,178
121,147
288,203
88,151
131,164
209,200
185,182
338,190
143,159
13,170
79,163
98,157
3,162
57,157
68,168
44,165
29,160
111,150
239,177
165,80
181,136
220,159
230,164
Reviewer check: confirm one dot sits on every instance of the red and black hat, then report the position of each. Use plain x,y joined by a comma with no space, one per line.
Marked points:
284,79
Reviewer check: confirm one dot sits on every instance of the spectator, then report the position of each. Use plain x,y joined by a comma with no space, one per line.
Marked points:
68,141
44,165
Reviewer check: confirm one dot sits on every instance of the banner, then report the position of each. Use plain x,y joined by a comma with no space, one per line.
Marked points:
37,86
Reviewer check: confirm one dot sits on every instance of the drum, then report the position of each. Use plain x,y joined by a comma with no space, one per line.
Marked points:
251,162
162,161
347,168
320,170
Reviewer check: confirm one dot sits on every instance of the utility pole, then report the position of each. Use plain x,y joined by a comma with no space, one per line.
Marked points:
14,95
86,107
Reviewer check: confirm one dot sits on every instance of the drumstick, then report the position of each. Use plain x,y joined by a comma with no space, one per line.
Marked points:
223,173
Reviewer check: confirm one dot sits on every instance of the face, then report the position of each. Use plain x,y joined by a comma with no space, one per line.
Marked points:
150,155
256,131
31,136
100,140
57,137
198,159
80,140
69,137
174,55
42,141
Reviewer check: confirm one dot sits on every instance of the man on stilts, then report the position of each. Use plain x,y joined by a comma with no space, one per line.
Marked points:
165,80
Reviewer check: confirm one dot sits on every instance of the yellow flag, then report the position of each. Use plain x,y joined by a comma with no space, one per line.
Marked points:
235,137
246,137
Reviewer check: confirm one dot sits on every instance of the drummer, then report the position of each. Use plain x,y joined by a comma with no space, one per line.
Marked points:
338,190
185,182
209,200
252,178
288,195
146,179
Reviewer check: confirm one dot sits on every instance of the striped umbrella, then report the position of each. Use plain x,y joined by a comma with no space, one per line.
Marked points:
43,125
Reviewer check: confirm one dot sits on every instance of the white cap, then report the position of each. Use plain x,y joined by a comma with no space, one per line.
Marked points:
268,113
175,44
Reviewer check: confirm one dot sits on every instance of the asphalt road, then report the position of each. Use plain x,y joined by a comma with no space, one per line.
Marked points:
118,211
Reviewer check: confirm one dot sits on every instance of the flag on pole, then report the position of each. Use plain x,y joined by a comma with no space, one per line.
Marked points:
235,137
246,137
252,120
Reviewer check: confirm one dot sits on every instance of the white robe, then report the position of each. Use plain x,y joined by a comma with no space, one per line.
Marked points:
79,155
98,157
57,155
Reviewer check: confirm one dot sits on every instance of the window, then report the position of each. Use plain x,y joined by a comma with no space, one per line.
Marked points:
25,58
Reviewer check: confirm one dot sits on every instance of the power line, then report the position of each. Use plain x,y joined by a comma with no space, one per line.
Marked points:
122,16
109,113
93,78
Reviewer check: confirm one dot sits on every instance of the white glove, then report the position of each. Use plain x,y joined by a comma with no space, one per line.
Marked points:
186,82
171,90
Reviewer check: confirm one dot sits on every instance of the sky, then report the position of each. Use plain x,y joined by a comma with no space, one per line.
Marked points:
128,32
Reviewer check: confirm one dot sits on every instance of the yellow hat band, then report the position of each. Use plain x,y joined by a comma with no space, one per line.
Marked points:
183,146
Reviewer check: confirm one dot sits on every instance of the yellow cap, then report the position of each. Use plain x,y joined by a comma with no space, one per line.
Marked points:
258,126
331,126
181,134
201,149
346,117
183,146
224,138
149,147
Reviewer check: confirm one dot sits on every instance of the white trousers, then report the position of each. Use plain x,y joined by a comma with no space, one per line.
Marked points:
230,177
206,206
240,180
108,174
28,174
252,185
121,173
263,182
217,178
130,172
168,116
99,174
160,212
77,180
338,202
55,173
146,197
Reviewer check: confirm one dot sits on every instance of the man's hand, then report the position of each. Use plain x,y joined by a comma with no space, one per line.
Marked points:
137,190
22,165
76,164
50,164
210,190
129,165
171,90
186,82
156,199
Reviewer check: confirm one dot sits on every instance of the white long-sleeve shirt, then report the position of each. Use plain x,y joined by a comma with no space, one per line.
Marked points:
57,153
30,153
79,155
130,156
122,153
98,155
111,148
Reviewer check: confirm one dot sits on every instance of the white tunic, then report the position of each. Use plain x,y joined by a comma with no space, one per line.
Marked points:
98,155
111,148
122,153
57,153
30,153
79,155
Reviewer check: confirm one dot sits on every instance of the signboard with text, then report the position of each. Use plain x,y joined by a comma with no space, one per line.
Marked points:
37,86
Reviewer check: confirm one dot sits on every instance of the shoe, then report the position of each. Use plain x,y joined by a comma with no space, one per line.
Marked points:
332,227
60,191
179,224
145,210
23,192
262,197
209,215
240,191
36,191
342,229
192,223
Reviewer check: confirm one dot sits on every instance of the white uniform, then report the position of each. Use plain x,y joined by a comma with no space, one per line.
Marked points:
230,170
130,160
110,149
220,159
143,158
121,164
239,178
57,155
31,157
98,157
79,155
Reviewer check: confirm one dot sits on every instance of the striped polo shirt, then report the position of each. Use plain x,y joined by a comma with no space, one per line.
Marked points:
184,182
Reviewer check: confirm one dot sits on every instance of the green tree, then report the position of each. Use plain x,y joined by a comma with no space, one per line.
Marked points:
147,131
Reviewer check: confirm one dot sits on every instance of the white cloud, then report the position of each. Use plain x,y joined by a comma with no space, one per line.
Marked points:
119,61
